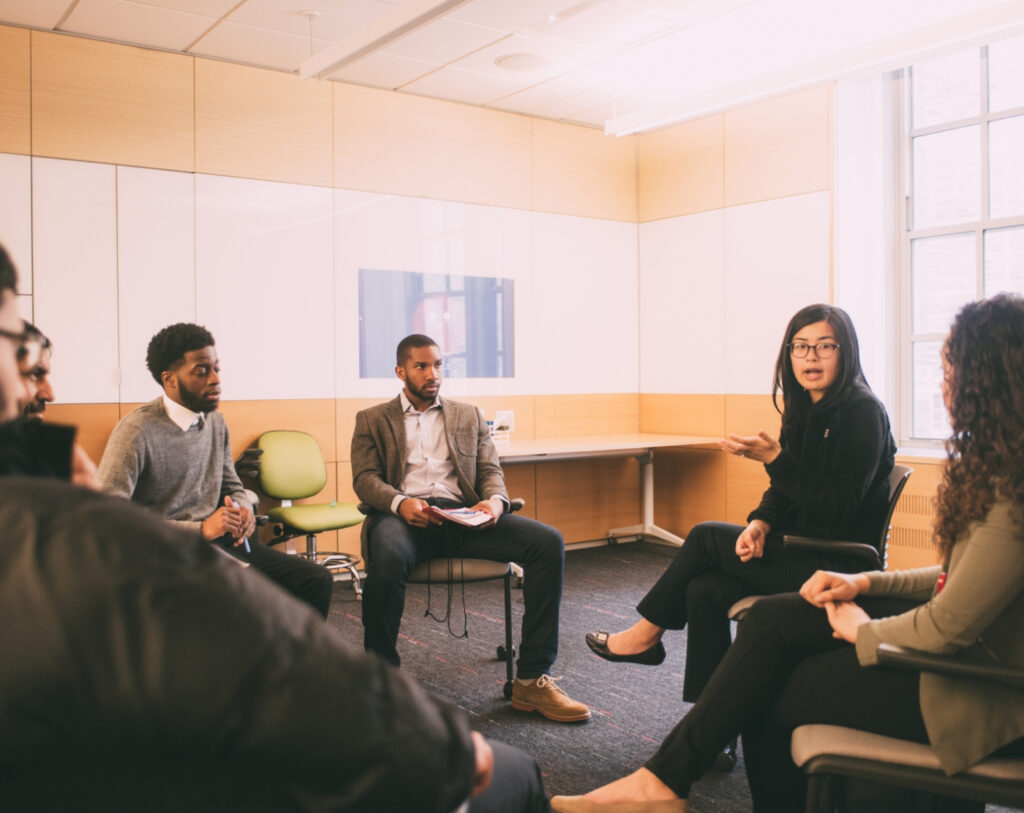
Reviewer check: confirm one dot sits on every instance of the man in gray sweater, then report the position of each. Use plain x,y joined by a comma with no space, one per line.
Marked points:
173,455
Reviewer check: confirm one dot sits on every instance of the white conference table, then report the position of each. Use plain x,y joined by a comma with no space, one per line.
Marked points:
639,445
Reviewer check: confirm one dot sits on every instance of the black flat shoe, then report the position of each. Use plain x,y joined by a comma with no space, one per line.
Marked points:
725,761
598,642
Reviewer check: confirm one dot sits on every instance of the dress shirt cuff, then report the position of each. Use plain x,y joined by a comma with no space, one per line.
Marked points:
397,501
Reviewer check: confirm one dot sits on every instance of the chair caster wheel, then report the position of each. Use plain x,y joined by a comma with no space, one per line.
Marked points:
502,655
507,690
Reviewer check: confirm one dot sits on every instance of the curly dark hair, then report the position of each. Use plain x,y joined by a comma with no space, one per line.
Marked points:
795,401
984,389
167,348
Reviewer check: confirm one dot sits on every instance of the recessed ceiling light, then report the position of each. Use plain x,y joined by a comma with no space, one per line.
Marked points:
522,62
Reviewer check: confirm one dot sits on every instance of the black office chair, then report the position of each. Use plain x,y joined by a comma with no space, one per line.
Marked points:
872,557
830,754
456,570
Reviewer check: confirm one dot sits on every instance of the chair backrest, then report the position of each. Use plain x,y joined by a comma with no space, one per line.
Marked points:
897,482
292,466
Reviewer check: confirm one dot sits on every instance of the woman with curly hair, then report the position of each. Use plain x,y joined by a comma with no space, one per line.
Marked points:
793,663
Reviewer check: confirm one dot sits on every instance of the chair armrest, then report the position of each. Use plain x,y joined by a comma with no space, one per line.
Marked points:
248,464
516,504
856,550
901,658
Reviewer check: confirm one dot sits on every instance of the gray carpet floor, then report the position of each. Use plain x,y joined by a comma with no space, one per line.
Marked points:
633,707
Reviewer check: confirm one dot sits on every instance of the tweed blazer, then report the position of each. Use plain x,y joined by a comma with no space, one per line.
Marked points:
379,454
978,616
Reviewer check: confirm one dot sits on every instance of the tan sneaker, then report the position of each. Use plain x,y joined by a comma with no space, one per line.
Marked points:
544,696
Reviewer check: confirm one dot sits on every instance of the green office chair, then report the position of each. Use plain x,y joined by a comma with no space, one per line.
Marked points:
291,467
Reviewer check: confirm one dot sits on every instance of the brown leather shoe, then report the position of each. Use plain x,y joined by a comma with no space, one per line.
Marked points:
577,804
542,695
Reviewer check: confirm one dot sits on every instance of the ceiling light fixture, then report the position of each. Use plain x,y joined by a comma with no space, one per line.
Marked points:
366,39
523,62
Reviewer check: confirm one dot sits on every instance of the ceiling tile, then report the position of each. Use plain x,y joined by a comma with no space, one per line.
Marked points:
607,25
563,58
136,23
511,15
443,40
37,14
383,71
335,20
464,86
256,46
203,8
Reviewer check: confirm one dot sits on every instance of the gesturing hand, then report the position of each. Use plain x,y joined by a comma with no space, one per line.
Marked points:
761,447
845,617
228,520
413,511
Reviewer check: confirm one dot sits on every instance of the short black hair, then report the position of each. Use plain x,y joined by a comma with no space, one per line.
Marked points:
35,334
167,348
8,276
408,343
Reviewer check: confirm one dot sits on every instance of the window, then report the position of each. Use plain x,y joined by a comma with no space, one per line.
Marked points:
963,229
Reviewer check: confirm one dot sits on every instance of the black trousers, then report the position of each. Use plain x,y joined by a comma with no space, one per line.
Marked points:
784,670
302,578
394,548
516,787
706,578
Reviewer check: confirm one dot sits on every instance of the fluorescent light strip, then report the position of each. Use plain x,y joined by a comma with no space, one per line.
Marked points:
379,32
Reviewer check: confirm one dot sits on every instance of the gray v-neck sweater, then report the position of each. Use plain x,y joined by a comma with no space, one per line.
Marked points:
184,476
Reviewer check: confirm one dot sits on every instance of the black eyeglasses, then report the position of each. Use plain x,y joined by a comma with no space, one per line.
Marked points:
822,350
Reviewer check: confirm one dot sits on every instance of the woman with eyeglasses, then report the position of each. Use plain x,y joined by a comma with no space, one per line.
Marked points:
793,663
829,478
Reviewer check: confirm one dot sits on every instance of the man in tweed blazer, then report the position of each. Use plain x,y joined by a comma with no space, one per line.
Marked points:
415,451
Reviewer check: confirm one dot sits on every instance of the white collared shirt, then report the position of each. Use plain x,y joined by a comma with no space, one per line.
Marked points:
183,417
429,471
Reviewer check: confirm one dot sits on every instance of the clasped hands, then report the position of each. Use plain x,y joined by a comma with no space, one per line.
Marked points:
761,447
234,521
414,511
835,592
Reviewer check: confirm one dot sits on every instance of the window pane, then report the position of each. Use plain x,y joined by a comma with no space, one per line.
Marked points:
1006,75
947,177
947,89
943,279
1006,167
930,419
1004,261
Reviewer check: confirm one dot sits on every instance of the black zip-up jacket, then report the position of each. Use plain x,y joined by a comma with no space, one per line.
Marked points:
831,479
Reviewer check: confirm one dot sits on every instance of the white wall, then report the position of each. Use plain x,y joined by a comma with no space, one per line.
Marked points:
272,270
717,289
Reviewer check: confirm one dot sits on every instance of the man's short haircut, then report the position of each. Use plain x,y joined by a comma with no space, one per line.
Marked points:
167,348
8,276
408,343
35,334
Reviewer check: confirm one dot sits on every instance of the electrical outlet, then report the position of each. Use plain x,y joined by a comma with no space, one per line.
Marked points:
505,419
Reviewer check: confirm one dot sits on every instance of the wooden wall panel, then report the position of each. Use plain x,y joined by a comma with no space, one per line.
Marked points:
745,414
247,420
689,487
257,123
521,481
345,420
569,415
95,422
779,147
408,145
682,414
586,499
581,171
15,91
95,101
912,541
681,169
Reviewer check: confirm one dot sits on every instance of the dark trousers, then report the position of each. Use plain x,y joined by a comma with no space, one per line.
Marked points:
394,548
706,578
784,670
302,578
516,786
